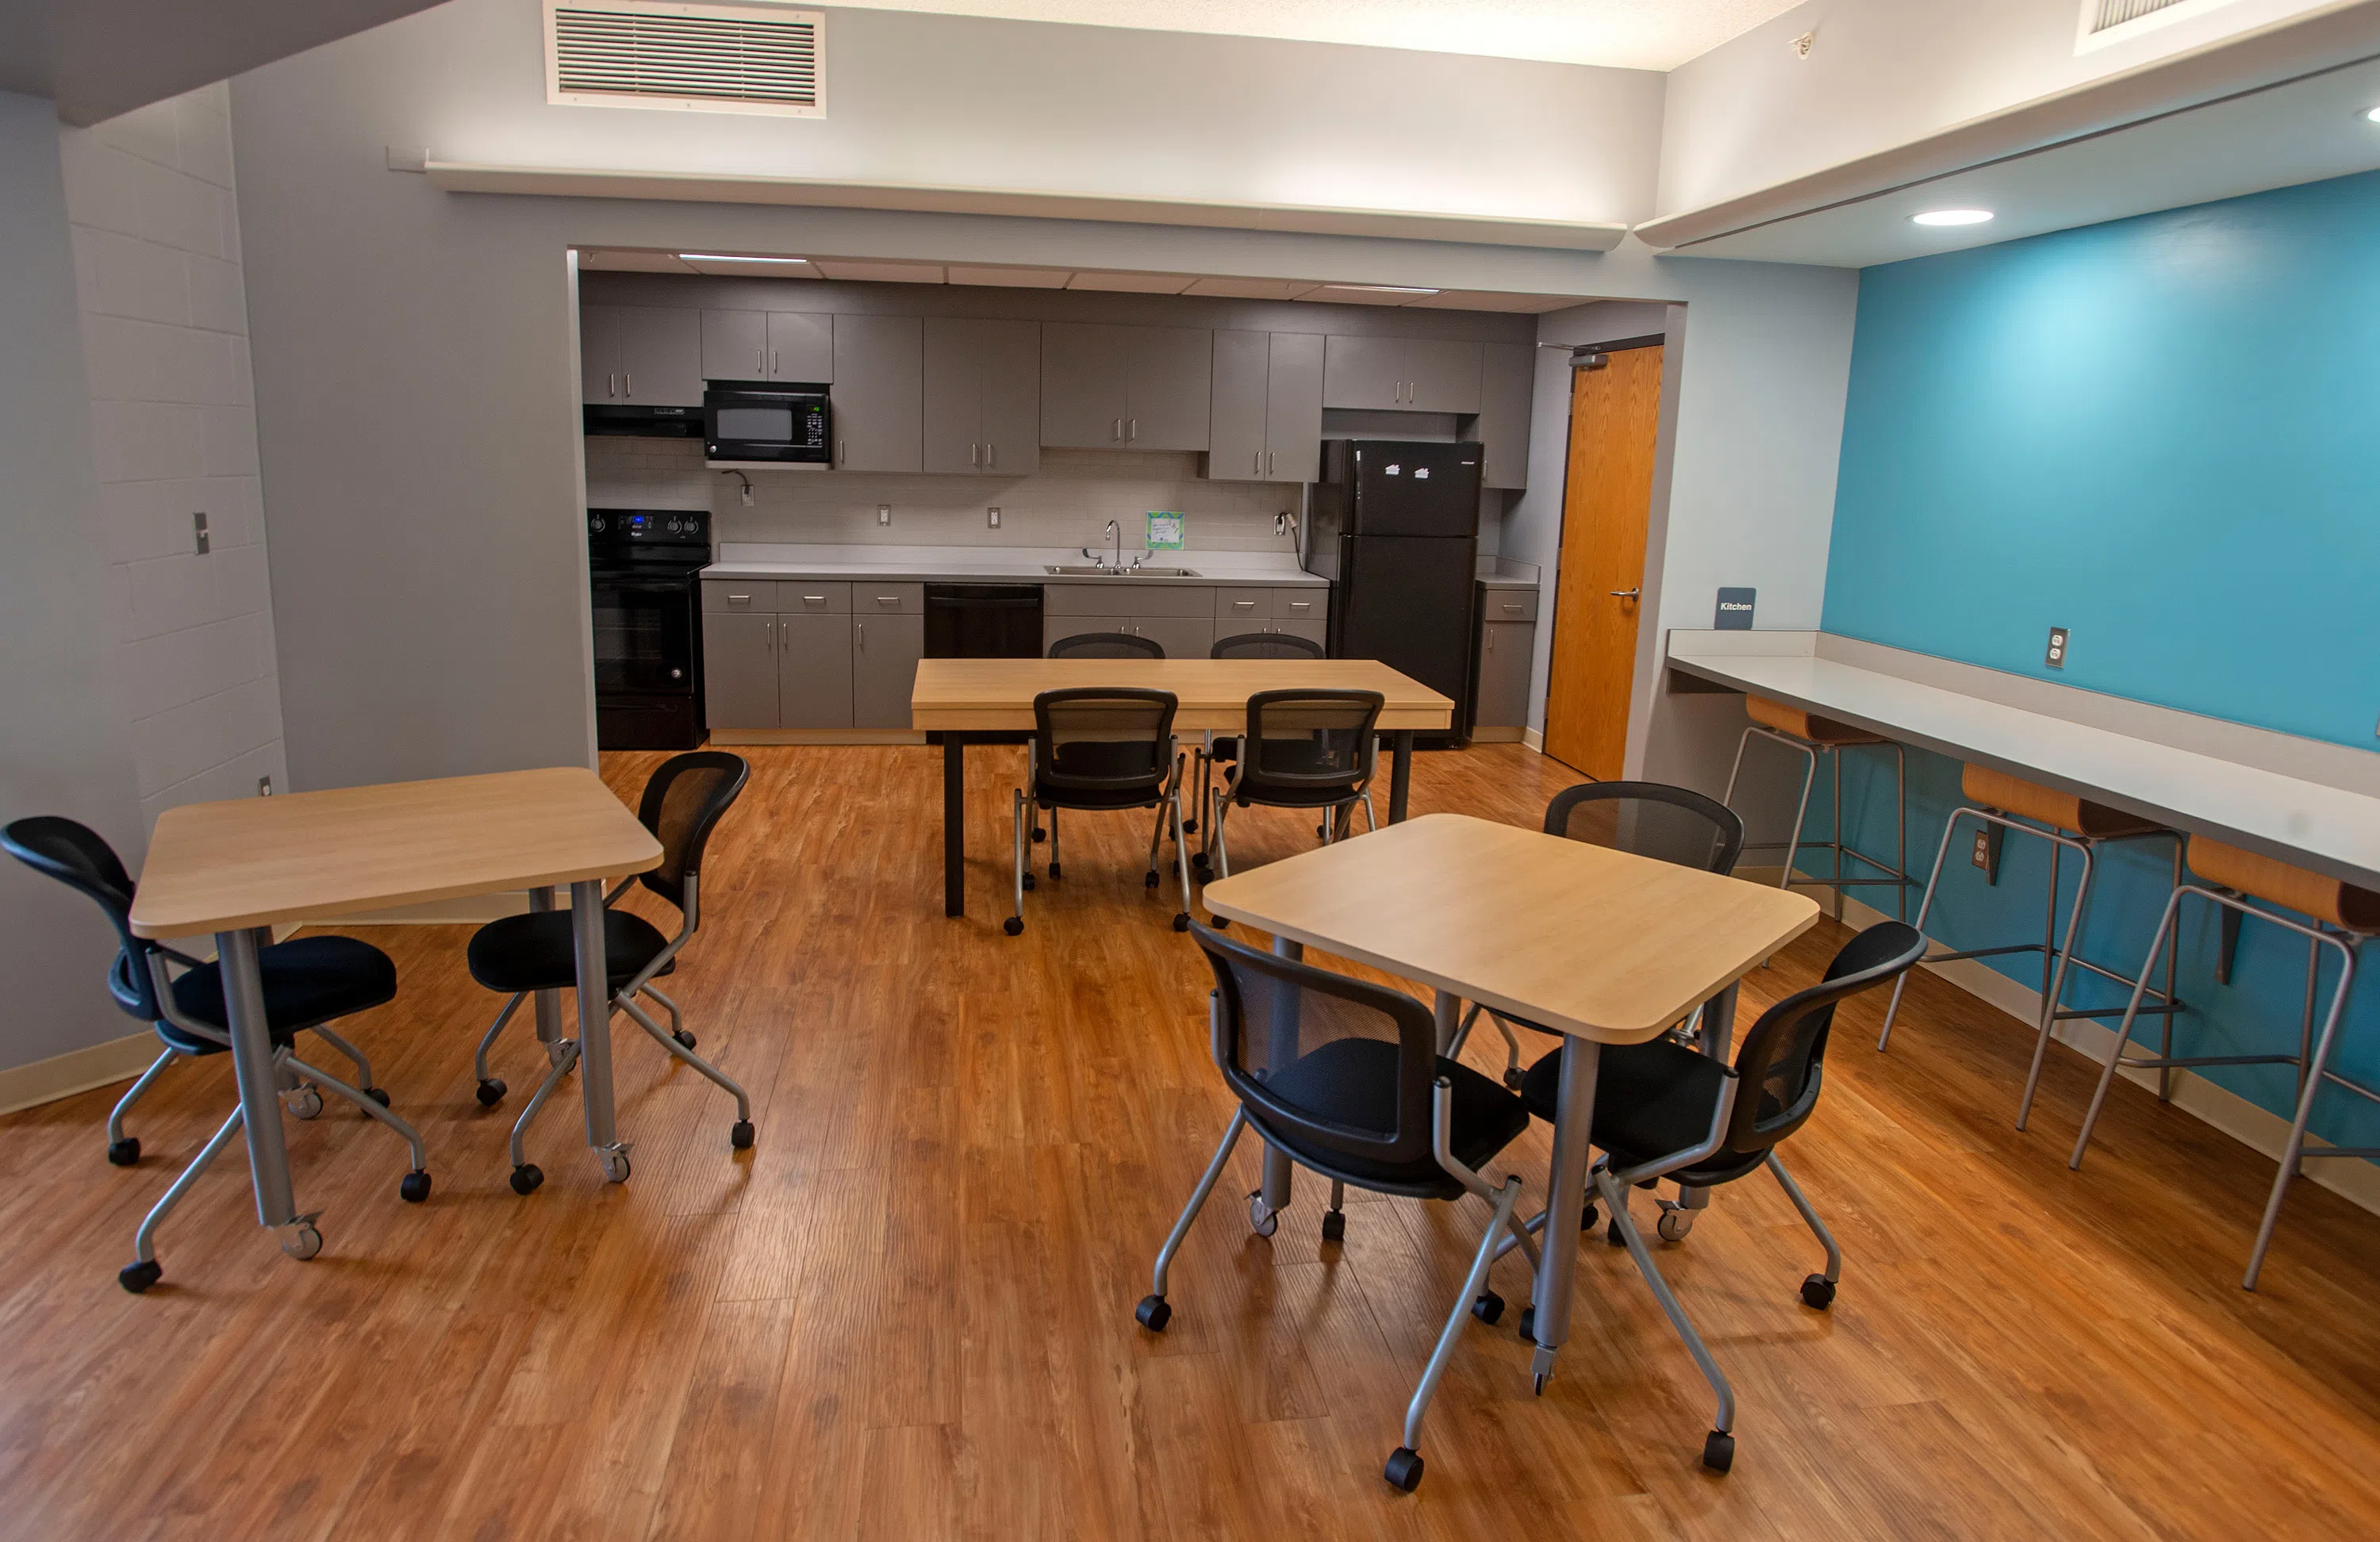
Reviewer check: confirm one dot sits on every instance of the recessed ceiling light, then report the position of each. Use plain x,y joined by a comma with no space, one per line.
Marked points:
1381,289
1951,216
721,257
2373,114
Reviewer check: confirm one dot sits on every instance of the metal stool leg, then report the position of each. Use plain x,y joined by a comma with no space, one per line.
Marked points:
2056,993
1923,907
2124,1029
2293,1153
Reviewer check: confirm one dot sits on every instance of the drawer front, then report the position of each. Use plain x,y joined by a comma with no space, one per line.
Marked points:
1301,604
869,599
739,596
1084,600
1509,605
1171,599
1244,604
1127,596
802,597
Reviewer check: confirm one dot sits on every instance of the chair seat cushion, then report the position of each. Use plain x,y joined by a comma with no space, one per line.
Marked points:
1650,1099
535,952
1123,758
307,980
1049,797
1225,747
1354,1081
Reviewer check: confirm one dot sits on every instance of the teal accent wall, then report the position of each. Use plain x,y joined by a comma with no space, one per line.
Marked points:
2163,433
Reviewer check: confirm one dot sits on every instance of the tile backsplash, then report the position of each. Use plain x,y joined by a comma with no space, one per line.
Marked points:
1066,503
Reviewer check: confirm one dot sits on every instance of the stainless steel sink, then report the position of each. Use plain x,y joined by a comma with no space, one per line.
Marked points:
1081,570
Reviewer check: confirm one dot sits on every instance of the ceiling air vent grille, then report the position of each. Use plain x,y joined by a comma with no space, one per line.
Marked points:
2107,21
749,59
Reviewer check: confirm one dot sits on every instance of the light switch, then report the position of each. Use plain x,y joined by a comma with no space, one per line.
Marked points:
993,515
199,529
884,513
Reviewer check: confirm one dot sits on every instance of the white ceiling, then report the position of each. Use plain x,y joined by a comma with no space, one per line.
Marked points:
876,271
1632,34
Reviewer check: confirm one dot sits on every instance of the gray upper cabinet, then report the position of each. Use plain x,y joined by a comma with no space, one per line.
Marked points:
1125,387
1507,383
643,356
878,397
1267,414
1409,374
982,397
801,346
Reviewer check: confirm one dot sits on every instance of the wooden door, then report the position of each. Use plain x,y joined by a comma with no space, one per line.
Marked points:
1607,498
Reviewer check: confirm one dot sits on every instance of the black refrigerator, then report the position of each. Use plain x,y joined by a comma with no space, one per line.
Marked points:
1394,526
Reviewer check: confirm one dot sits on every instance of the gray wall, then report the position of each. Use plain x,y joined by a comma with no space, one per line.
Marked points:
415,356
63,745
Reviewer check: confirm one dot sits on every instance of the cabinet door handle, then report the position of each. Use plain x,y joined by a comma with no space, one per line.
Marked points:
991,455
630,376
844,453
1244,604
1117,432
1508,605
768,637
1273,463
860,628
761,360
887,598
1258,469
1301,604
974,455
1132,427
776,364
739,598
1491,642
612,383
813,599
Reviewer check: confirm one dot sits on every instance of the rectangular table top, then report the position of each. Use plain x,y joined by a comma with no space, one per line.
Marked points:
996,694
2309,824
1596,943
250,862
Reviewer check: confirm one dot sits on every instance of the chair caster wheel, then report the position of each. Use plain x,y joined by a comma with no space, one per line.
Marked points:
1819,1292
138,1278
1181,920
1221,921
1153,1313
1201,868
1039,834
1489,1308
1587,1219
1403,1471
124,1152
378,1095
1189,827
526,1178
1149,879
1719,1450
683,1040
414,1187
491,1092
1014,925
1675,1225
740,1137
1515,1078
1528,1325
304,1102
1614,1236
303,1242
1030,882
1334,1226
1053,872
613,1161
1262,1221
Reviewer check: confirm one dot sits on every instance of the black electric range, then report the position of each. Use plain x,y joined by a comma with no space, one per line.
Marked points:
648,610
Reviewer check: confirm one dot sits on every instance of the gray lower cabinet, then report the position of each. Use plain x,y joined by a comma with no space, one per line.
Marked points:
1182,637
877,397
814,687
1508,639
740,670
1507,383
884,654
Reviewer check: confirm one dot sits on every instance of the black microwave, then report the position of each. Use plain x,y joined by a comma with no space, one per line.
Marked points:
774,425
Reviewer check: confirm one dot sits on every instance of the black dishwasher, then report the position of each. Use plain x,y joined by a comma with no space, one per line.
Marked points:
983,621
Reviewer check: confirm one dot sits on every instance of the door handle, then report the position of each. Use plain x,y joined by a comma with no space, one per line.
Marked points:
1244,604
768,637
1623,594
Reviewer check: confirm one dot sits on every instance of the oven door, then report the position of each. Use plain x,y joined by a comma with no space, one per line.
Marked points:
643,635
780,427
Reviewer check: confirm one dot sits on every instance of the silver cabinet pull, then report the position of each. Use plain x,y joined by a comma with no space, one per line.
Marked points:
1623,594
1256,470
887,598
630,377
777,363
1510,606
1273,463
991,455
860,627
974,455
1301,604
1491,642
1244,604
1117,432
761,360
813,599
739,598
612,383
767,636
1132,427
842,453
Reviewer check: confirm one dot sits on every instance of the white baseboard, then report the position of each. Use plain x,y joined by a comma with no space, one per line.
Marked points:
45,1081
2258,1129
1533,739
724,737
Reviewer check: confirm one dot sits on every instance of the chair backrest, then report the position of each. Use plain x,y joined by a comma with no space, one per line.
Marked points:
684,798
1266,645
1310,740
1271,1013
1103,739
79,857
1649,819
1105,645
1782,1056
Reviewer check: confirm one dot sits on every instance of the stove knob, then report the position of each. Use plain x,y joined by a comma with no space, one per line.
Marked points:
673,526
596,524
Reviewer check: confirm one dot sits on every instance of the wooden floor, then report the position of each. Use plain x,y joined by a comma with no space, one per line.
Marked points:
907,1313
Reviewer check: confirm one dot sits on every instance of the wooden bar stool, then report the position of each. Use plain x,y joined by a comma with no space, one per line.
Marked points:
1811,736
2344,918
2000,802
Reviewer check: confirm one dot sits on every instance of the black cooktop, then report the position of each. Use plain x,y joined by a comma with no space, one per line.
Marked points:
649,539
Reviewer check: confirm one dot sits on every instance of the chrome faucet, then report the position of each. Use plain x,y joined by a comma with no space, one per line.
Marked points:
1114,532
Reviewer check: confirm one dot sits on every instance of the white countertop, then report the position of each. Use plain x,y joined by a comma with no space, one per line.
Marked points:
2329,828
990,563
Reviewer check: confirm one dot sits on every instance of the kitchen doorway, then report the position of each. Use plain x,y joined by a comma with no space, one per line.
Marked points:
1615,409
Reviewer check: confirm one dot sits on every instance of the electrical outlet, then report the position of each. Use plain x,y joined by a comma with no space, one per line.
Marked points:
264,786
884,513
1981,857
2057,657
198,528
993,515
745,491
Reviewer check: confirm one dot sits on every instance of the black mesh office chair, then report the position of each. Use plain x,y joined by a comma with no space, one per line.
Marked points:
1105,645
1302,749
1344,1077
1665,1110
309,982
682,804
1225,747
1643,819
1101,748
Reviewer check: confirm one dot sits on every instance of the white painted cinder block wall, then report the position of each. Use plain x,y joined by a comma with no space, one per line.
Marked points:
154,221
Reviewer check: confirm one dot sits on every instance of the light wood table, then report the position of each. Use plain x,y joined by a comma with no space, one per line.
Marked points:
1600,945
231,867
977,700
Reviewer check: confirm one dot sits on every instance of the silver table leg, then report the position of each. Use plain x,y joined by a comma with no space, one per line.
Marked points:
1448,1011
1274,1195
595,1027
1573,1121
548,1003
260,1103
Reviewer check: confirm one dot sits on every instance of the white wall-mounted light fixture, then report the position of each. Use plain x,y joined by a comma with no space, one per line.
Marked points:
1951,216
1381,289
2373,116
723,257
